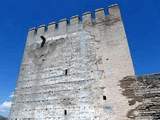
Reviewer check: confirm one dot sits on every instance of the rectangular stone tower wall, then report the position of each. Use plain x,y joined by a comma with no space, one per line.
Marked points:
72,71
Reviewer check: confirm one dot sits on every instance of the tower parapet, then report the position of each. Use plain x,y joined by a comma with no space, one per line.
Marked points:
72,70
41,29
114,10
74,20
100,15
87,19
51,27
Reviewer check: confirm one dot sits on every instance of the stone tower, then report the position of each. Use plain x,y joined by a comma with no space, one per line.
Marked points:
72,70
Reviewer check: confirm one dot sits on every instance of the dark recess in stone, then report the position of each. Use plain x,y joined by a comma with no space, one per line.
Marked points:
104,98
65,112
43,41
66,72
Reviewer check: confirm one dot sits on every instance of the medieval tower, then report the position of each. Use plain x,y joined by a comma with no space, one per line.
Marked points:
72,70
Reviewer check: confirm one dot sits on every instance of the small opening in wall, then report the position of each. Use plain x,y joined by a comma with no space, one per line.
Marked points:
43,41
43,60
66,72
41,55
104,98
65,112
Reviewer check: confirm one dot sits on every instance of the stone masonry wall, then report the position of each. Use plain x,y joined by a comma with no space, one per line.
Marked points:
73,71
144,92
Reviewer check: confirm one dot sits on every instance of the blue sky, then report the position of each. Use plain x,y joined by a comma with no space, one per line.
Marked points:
141,20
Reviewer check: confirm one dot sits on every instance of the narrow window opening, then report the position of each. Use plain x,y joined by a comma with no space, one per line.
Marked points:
41,55
66,72
43,41
104,98
65,112
43,59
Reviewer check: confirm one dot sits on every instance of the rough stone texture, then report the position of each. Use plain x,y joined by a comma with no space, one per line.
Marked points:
75,74
144,92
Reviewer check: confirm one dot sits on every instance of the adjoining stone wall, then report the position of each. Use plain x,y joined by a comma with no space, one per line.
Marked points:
72,71
144,92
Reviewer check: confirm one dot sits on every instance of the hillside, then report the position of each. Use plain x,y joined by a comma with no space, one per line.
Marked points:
3,118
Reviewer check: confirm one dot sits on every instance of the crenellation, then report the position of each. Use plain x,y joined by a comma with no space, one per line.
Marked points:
73,71
32,32
62,23
41,30
99,15
51,27
62,26
114,10
74,20
87,18
32,29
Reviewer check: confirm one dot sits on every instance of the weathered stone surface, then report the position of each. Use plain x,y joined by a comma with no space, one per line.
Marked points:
144,92
73,72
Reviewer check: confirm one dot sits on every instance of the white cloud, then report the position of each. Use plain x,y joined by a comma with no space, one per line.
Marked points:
12,95
5,106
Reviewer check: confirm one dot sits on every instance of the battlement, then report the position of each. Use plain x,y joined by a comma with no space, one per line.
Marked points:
72,69
87,19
